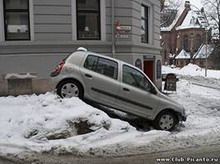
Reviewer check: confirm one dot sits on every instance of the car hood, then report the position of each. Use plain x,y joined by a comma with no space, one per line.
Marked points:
177,106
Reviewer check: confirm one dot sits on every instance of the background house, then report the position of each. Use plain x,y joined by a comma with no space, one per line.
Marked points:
36,34
205,51
182,59
184,36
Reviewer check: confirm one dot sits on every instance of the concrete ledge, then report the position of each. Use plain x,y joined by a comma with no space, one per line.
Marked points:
39,86
3,87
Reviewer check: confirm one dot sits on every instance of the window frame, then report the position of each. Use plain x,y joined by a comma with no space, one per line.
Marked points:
159,69
146,19
89,11
16,10
198,41
186,45
96,64
93,66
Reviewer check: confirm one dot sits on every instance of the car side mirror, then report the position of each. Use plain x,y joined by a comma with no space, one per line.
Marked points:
153,90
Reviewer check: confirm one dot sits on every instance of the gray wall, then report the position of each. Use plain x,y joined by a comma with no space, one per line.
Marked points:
52,20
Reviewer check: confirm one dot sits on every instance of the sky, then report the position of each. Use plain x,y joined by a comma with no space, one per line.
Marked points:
196,3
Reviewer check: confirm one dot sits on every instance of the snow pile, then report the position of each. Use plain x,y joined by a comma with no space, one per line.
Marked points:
191,70
28,122
20,76
35,122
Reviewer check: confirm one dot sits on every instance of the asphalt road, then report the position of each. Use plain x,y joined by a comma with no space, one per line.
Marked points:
208,154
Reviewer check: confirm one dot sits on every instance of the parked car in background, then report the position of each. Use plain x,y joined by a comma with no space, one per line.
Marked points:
116,84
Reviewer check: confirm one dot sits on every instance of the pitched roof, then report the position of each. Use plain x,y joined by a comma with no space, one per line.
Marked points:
183,55
178,14
201,53
194,19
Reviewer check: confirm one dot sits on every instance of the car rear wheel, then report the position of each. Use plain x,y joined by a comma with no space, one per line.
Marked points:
70,88
165,121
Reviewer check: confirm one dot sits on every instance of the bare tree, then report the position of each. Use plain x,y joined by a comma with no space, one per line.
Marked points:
162,3
212,9
169,9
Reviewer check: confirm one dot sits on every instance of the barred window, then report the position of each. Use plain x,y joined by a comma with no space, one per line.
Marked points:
88,19
16,20
144,24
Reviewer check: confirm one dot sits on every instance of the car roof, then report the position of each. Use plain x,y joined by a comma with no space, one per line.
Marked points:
107,57
110,58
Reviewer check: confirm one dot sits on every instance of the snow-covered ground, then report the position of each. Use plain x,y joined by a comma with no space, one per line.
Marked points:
192,70
29,124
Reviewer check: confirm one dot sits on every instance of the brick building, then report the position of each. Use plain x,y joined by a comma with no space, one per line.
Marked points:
184,38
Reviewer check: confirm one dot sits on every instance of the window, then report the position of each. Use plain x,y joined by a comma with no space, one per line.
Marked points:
135,78
198,41
88,19
158,69
187,62
16,20
103,66
91,62
144,24
201,63
181,63
186,42
138,63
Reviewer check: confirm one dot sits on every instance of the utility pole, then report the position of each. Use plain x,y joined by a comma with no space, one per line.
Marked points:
206,41
206,51
113,28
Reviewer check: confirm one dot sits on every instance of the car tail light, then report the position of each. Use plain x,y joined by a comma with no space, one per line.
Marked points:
60,66
58,69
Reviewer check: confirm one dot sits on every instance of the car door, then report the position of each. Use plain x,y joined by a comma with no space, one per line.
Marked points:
100,76
135,95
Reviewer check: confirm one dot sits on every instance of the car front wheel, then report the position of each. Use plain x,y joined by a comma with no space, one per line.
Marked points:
165,121
69,88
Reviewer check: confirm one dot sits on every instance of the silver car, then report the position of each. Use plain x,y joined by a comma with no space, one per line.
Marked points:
115,84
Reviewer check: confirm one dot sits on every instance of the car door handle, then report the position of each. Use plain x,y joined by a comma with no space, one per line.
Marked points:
126,89
88,75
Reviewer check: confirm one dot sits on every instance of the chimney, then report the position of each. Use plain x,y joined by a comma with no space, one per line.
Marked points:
187,4
202,10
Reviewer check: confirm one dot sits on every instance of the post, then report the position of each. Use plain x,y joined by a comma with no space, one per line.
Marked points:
113,28
206,49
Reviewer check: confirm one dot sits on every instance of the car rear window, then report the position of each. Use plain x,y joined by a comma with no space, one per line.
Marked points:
91,62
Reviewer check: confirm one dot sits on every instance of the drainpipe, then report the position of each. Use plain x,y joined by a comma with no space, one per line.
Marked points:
113,28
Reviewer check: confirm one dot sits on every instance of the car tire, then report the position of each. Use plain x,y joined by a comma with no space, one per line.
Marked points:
69,89
165,120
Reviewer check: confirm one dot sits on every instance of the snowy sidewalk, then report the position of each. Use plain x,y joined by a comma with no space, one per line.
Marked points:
28,122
